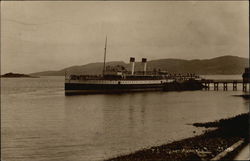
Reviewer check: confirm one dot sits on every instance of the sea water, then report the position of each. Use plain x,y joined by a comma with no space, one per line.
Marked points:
40,123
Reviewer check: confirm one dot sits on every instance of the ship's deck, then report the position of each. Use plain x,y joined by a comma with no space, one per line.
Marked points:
129,77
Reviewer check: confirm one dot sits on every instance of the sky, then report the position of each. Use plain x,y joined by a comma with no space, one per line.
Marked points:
42,35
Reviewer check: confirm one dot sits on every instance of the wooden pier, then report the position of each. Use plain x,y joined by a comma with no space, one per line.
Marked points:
224,83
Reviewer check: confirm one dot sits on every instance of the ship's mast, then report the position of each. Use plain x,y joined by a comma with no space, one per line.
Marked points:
104,62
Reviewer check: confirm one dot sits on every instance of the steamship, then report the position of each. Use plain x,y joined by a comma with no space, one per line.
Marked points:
116,80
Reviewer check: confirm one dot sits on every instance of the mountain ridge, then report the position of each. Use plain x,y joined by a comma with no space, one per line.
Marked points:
227,64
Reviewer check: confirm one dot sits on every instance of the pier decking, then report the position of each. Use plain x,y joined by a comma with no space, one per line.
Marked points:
216,82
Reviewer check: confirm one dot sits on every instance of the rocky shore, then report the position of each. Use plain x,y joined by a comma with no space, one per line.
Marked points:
224,133
245,96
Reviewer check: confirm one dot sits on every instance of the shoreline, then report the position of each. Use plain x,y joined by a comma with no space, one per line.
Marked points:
201,147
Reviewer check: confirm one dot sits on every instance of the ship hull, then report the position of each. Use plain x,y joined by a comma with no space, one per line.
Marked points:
79,88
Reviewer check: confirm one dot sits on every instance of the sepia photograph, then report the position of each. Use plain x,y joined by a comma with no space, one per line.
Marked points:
125,80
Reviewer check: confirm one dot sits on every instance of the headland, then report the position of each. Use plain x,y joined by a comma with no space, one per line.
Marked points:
17,75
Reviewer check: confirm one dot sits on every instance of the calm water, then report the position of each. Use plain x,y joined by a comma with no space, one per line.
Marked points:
39,123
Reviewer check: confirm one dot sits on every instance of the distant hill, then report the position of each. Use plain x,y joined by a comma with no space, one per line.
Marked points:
218,65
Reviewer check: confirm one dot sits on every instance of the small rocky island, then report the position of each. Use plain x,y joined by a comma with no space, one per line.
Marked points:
17,75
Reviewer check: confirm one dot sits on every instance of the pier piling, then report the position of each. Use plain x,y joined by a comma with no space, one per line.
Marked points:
244,87
217,83
207,86
216,86
234,86
225,86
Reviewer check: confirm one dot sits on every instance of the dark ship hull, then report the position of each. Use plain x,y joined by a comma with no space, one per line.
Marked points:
113,86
